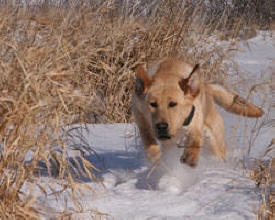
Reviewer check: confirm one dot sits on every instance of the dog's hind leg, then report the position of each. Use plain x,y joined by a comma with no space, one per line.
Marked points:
216,134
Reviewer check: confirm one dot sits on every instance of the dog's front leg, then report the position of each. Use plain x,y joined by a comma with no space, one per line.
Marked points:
152,149
153,153
192,149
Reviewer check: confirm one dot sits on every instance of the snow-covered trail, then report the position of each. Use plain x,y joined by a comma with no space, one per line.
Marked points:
214,190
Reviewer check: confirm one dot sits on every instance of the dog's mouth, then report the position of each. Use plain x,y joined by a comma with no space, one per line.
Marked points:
164,137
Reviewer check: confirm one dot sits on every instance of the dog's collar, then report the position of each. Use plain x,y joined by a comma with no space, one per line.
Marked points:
188,120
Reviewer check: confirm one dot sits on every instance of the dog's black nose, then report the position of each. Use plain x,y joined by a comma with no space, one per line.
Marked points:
162,126
162,131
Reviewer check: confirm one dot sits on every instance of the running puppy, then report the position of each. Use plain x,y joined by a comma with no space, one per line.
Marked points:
170,99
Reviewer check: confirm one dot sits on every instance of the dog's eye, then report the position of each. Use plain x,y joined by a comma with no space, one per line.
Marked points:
154,104
172,104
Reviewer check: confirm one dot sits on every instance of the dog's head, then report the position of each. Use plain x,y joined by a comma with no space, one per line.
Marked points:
169,98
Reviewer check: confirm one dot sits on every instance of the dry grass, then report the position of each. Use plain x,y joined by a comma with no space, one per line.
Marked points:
60,66
263,175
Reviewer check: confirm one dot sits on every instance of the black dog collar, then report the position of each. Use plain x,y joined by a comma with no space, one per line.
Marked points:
188,120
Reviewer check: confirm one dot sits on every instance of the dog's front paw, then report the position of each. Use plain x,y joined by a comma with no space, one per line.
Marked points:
153,153
190,157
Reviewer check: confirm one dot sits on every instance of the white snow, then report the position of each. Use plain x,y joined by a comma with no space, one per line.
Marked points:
132,189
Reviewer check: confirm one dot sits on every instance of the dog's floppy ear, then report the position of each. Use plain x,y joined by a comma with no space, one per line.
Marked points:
191,85
143,81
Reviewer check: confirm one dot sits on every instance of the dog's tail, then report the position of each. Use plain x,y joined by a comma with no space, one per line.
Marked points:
232,102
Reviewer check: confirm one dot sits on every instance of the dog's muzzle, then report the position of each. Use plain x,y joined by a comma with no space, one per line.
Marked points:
162,131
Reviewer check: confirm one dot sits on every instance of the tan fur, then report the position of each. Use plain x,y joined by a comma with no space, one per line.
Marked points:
163,100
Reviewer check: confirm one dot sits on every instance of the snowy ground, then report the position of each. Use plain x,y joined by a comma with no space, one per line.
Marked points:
214,190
